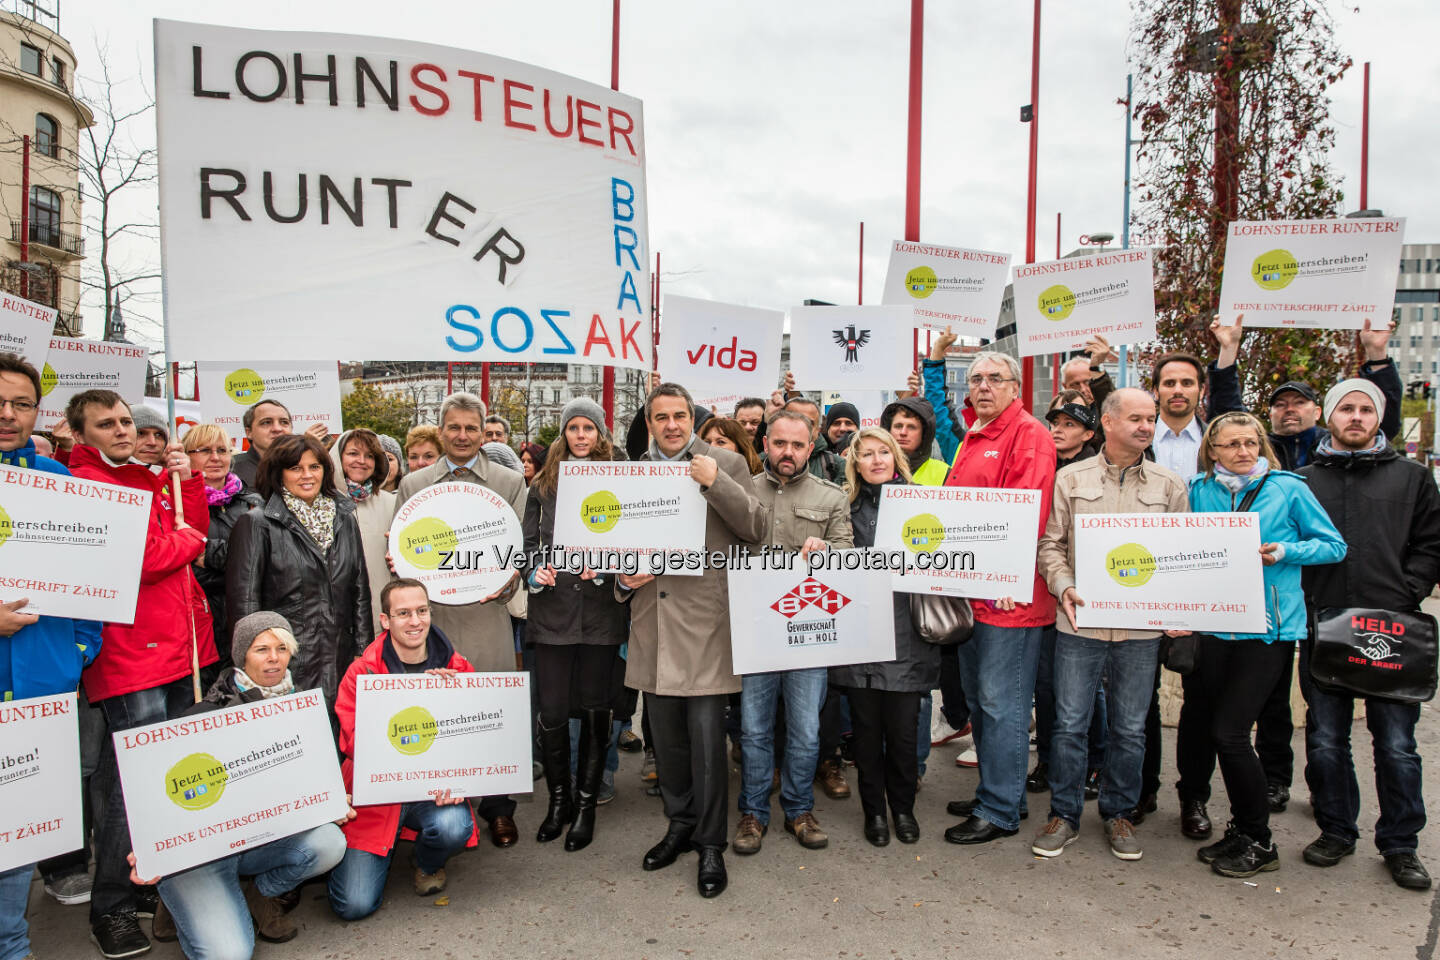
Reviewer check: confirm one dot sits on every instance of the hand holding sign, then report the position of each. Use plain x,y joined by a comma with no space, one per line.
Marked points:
12,620
704,470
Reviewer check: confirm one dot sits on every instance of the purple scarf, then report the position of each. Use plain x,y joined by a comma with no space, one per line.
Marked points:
222,496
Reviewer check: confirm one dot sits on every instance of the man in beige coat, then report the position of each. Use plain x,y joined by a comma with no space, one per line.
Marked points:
1118,480
481,631
679,654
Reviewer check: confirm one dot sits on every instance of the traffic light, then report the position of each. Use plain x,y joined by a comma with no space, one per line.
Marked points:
1425,389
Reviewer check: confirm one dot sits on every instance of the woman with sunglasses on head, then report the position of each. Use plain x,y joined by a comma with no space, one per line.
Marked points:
1234,673
208,446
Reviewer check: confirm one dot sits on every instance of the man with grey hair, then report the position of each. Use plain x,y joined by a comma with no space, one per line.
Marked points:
480,631
1008,449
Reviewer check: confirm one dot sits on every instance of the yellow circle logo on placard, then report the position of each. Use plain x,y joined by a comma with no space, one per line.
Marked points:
1057,302
920,282
423,541
196,782
1130,565
411,731
600,511
1274,269
923,533
244,386
6,528
48,379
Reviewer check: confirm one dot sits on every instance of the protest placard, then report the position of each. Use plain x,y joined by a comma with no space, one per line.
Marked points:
304,203
965,541
788,618
73,365
868,403
187,415
1330,274
310,393
948,286
627,517
720,348
26,328
1170,571
39,780
462,540
851,348
419,733
1063,303
72,546
206,786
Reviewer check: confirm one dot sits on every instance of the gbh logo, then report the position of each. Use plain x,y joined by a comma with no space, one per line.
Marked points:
810,592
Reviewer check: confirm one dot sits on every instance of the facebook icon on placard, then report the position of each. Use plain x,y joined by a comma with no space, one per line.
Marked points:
194,792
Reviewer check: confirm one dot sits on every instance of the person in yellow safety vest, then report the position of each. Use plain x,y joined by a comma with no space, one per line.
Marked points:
911,421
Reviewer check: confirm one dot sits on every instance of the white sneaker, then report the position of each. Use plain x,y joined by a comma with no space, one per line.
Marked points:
967,758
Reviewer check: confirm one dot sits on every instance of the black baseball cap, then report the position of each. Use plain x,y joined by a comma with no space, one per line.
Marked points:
1304,389
1080,413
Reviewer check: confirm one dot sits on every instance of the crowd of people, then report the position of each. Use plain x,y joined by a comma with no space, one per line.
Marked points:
275,564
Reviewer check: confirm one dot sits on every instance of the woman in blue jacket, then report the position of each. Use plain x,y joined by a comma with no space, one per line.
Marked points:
1234,673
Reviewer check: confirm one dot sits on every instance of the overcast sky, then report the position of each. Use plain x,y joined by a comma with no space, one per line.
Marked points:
774,128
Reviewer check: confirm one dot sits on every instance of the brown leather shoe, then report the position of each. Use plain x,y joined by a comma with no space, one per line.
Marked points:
162,926
503,832
832,780
748,835
271,923
806,829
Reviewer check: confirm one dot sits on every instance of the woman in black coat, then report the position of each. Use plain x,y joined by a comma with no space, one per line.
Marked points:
300,556
208,446
885,697
576,626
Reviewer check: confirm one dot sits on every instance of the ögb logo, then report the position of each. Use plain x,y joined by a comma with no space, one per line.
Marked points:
244,386
852,342
810,593
411,731
196,781
920,282
1057,302
1274,269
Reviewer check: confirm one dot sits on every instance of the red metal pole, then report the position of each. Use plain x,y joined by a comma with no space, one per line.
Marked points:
607,377
449,378
485,384
25,217
1027,365
860,288
912,154
1365,143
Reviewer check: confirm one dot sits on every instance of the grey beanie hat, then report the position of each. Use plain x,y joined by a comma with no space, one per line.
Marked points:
148,419
587,408
251,627
392,446
502,454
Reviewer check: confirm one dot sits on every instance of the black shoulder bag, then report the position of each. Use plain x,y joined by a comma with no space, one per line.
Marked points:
1363,652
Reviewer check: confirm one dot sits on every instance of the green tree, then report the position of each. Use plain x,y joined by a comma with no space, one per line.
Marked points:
546,435
1234,119
367,406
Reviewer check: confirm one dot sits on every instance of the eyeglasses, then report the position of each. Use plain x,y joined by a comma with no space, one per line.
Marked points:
993,380
1238,445
211,451
20,406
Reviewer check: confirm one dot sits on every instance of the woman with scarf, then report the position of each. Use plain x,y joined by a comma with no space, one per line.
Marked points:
885,697
300,556
208,446
360,459
1234,673
576,626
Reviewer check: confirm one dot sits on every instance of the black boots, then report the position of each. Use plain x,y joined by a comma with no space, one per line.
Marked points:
555,755
594,744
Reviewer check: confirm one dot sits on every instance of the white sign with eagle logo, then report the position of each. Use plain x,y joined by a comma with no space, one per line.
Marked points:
851,348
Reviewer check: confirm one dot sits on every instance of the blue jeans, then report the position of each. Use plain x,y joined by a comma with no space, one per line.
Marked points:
208,904
1079,664
1045,708
804,694
997,669
357,885
1330,768
14,895
111,891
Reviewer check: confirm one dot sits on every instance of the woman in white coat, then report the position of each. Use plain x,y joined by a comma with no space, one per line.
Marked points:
360,460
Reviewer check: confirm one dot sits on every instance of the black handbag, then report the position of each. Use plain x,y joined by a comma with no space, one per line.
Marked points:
941,619
1179,654
1362,652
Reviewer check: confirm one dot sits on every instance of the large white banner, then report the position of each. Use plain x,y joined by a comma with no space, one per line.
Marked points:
965,541
319,191
205,786
1061,304
948,286
1332,274
870,404
73,365
633,517
419,734
462,540
72,546
39,780
720,348
786,619
311,393
26,328
855,348
1175,571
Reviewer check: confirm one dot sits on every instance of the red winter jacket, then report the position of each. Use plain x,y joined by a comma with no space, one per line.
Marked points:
374,827
1014,451
155,650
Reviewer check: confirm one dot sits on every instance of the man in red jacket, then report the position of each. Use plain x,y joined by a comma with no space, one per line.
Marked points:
142,674
441,827
1006,448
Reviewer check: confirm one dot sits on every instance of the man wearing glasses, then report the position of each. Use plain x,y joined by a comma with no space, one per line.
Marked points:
1006,448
